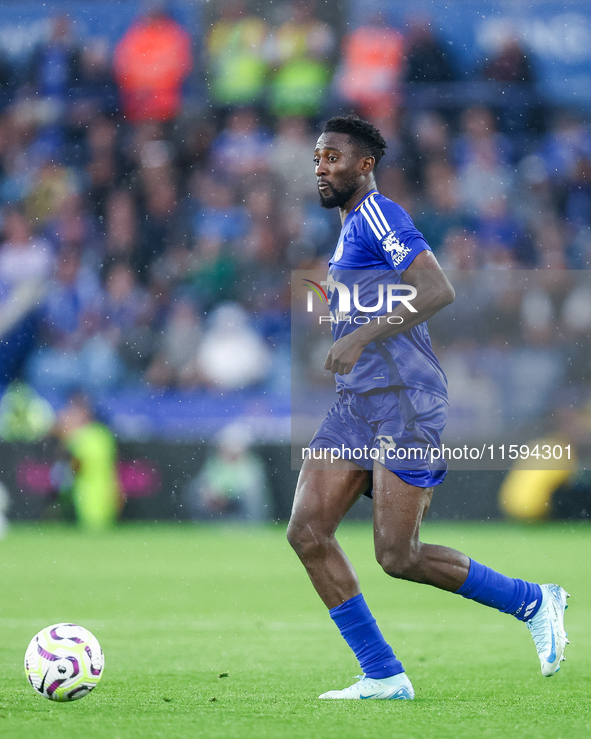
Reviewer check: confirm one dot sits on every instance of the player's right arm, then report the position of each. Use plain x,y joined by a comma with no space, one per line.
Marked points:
434,292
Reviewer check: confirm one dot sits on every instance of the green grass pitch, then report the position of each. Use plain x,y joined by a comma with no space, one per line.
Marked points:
216,632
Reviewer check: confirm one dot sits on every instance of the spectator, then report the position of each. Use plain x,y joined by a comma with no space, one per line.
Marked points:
394,184
232,355
23,257
479,139
564,145
242,147
126,320
577,195
24,414
549,237
74,354
95,85
236,51
73,302
213,210
537,198
512,70
439,212
498,229
288,160
427,139
212,272
575,326
25,266
301,49
174,363
121,226
460,251
8,81
160,227
105,163
74,227
511,64
54,69
261,242
433,137
371,68
232,483
194,139
151,62
19,162
483,162
427,59
53,186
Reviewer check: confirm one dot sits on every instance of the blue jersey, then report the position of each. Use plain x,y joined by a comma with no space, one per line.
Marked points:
378,242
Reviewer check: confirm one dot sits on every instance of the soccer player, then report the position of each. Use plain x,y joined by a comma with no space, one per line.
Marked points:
392,399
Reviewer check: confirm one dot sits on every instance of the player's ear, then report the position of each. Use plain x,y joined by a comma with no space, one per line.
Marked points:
367,165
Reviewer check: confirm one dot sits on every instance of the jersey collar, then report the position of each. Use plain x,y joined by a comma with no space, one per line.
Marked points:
369,195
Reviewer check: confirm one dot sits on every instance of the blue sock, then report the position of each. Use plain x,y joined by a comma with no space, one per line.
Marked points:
360,630
520,598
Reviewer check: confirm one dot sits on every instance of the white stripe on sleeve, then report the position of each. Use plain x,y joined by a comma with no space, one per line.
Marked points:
380,214
374,217
369,220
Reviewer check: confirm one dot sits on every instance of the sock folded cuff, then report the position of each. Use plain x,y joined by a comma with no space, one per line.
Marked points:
350,608
520,598
471,583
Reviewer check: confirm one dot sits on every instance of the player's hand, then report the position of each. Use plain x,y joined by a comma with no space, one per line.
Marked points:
343,354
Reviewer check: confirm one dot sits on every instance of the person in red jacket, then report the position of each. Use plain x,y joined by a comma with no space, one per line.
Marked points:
151,62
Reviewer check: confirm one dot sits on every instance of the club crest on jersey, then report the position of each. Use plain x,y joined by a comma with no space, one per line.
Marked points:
338,252
391,244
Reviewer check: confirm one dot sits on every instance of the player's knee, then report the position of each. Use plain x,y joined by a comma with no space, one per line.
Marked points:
398,562
294,535
303,540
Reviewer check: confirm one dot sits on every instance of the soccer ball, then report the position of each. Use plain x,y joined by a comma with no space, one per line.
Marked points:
64,662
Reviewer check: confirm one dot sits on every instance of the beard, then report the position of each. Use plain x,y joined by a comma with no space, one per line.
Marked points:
338,197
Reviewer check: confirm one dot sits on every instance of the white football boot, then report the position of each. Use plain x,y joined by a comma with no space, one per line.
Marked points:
397,687
547,628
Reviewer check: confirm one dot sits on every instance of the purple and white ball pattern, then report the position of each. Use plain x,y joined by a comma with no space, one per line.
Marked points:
64,662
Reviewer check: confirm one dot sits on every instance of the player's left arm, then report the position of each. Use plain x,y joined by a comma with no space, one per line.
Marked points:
434,292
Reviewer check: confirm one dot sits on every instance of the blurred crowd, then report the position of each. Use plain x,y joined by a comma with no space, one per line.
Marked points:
149,221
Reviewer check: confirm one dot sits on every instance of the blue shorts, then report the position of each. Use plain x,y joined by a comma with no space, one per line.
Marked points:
394,426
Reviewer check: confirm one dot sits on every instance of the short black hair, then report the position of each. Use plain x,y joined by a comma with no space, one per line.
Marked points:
362,134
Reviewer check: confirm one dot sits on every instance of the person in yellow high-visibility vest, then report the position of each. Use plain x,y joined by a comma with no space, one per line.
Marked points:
95,490
528,491
526,494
